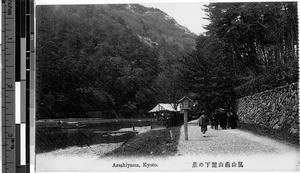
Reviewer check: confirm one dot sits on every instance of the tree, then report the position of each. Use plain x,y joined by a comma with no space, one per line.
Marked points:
207,74
259,35
91,63
247,46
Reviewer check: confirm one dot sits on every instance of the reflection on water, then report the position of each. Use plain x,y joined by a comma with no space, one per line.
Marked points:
50,138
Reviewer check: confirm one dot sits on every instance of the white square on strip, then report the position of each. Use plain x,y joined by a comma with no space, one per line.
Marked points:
23,144
18,102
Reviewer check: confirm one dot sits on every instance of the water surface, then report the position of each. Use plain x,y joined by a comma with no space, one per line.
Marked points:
51,136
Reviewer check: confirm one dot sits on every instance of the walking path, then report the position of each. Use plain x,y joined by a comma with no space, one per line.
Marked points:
259,153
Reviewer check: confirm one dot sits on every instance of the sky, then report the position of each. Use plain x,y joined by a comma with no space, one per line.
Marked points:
189,14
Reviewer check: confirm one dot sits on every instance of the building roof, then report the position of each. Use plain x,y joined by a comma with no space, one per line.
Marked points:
185,97
165,107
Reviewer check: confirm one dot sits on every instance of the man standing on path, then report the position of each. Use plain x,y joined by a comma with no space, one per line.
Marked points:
203,122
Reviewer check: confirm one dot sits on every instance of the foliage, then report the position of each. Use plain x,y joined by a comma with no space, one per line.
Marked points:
249,47
259,35
207,74
275,77
121,60
105,58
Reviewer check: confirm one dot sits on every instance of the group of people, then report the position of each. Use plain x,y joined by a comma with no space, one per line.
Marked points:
226,119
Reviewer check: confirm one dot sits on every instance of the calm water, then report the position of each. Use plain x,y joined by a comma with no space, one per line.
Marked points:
52,137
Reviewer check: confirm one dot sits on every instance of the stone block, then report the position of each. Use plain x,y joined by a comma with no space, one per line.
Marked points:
294,131
281,119
276,126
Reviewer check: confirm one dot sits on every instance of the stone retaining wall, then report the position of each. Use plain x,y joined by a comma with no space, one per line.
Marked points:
276,109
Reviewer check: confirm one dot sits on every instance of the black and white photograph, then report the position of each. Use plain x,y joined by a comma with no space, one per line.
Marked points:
167,86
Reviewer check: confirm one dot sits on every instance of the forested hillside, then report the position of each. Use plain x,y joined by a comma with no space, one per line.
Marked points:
249,48
121,60
118,60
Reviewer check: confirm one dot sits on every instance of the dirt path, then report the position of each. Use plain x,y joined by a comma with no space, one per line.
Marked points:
260,153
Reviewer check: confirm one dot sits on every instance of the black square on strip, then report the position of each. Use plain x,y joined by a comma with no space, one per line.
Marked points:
27,98
27,63
27,81
28,32
18,44
23,18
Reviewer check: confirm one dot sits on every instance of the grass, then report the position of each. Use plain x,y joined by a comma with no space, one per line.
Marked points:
280,135
151,143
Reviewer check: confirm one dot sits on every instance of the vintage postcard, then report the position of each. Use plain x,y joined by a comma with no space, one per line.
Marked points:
166,86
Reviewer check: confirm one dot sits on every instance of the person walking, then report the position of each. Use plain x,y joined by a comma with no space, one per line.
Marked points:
215,120
232,119
223,118
203,122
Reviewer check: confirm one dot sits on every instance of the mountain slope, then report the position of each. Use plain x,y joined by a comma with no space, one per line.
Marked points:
154,24
119,60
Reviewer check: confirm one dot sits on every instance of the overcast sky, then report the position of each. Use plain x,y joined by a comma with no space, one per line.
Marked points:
189,14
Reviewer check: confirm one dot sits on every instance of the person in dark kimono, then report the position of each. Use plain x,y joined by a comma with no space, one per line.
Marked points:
223,118
232,119
215,120
203,122
211,119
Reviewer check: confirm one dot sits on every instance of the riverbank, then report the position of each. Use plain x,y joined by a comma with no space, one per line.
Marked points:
161,142
158,143
51,135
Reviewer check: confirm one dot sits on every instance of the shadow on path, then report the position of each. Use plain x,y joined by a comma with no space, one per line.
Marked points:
279,135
